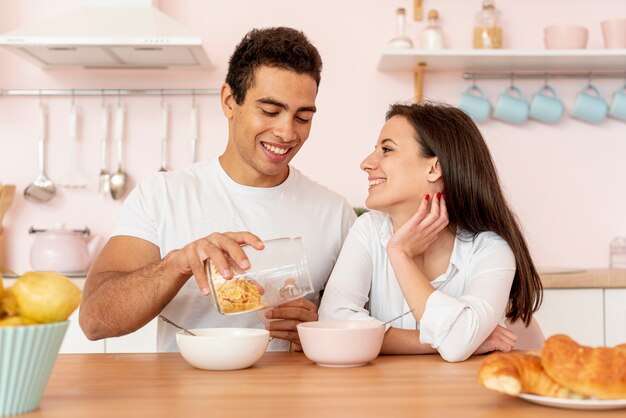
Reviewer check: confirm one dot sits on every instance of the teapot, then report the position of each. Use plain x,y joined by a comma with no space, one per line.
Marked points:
62,250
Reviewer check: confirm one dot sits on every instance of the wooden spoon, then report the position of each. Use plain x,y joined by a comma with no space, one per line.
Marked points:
6,199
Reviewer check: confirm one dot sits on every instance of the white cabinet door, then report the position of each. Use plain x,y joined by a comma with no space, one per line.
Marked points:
76,342
578,313
615,316
141,341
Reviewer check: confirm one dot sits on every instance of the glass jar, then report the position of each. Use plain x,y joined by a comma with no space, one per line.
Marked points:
618,253
487,27
432,36
401,40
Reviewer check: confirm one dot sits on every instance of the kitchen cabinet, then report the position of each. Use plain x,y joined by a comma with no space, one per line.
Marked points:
141,341
75,340
578,313
615,316
500,60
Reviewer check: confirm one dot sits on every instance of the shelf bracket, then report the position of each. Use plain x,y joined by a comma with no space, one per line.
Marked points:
418,83
418,11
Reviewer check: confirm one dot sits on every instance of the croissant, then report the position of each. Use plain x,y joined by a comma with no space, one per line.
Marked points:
598,372
515,373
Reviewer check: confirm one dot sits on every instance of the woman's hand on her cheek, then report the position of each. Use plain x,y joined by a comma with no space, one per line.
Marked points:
422,229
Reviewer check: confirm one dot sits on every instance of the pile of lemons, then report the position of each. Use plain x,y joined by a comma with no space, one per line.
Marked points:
38,298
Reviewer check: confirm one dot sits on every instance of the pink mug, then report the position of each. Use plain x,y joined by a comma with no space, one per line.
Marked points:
614,33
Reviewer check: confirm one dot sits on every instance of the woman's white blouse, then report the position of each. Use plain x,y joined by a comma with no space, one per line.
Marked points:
469,301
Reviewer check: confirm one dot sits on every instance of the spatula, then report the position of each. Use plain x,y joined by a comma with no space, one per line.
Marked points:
41,190
193,128
74,179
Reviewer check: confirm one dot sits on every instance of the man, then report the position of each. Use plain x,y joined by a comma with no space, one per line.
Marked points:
170,224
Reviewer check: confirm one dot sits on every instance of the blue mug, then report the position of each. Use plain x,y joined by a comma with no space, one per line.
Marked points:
618,104
475,104
546,106
590,106
512,107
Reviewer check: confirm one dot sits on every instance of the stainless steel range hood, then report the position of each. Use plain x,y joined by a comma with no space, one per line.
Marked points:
109,34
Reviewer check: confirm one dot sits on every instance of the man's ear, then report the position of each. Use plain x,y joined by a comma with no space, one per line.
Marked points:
227,100
435,170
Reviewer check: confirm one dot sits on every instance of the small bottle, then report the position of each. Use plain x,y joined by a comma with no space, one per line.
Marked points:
401,40
618,253
432,35
487,27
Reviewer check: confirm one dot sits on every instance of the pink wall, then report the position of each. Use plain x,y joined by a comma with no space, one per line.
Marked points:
565,181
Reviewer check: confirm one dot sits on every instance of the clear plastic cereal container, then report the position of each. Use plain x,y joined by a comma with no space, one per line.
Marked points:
278,274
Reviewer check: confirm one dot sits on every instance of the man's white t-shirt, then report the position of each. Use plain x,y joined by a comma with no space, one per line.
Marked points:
470,298
175,208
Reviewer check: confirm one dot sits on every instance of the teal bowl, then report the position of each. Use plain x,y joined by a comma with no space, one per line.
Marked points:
27,356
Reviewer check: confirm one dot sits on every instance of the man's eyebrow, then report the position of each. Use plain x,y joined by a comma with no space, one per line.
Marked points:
274,102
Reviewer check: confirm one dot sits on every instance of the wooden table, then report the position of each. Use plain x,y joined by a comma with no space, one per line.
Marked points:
279,385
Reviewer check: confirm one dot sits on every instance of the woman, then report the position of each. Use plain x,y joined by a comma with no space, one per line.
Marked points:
441,242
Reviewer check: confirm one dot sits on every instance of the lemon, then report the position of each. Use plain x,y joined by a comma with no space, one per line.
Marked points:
16,320
46,296
8,304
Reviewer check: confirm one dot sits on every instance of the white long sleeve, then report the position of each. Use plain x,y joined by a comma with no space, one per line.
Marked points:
470,299
457,326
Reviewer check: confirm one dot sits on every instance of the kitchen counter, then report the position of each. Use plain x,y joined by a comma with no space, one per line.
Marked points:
612,278
279,385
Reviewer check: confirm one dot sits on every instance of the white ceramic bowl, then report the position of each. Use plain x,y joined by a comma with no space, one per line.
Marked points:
565,37
223,348
341,343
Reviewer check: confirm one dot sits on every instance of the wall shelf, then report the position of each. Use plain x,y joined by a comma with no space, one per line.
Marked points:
502,60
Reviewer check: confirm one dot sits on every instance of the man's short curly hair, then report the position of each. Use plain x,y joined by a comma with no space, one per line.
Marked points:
279,47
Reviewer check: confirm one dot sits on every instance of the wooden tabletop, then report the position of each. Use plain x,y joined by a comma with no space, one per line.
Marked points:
279,385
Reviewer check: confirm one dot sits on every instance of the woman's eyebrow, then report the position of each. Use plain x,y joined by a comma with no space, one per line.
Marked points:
384,141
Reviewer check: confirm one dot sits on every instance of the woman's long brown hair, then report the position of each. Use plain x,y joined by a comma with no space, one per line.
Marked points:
473,193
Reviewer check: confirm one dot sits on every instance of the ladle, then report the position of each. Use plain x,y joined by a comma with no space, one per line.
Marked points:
41,189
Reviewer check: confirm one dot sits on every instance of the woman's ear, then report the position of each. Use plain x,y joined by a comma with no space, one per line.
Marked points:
227,100
435,170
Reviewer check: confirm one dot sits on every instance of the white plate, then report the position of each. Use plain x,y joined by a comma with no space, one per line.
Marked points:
575,403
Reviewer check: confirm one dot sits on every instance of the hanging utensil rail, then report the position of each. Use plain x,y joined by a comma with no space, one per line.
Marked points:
112,92
543,75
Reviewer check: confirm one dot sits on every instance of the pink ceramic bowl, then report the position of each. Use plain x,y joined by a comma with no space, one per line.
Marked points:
565,37
341,343
614,33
